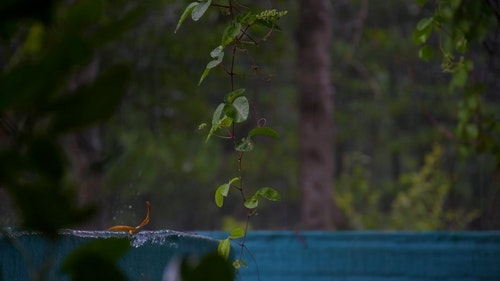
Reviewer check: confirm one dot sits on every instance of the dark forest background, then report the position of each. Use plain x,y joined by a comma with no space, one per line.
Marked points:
400,160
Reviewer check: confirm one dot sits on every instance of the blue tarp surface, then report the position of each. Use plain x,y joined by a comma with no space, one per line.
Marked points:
285,255
375,256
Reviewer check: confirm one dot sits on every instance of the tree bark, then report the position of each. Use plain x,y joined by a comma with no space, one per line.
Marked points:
316,128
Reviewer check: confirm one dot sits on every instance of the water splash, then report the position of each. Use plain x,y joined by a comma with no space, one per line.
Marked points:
161,237
93,233
141,238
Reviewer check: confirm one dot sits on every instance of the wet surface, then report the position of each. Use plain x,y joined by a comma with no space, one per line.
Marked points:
157,237
24,253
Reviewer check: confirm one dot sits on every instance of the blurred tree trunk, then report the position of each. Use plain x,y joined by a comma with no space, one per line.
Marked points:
316,133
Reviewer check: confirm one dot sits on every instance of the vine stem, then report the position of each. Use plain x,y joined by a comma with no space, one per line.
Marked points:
231,72
220,5
232,131
243,240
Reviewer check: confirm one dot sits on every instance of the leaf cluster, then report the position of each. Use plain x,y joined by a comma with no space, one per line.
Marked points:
238,28
459,25
40,103
236,106
47,48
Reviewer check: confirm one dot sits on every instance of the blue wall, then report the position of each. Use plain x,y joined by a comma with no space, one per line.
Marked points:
24,255
290,256
375,256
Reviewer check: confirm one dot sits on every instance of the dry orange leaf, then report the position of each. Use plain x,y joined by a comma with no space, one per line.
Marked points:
130,229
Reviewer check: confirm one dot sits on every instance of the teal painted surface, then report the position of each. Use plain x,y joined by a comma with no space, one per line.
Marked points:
376,256
24,254
286,255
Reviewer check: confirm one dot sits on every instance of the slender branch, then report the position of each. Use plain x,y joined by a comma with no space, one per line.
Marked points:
220,6
231,73
252,41
243,240
231,9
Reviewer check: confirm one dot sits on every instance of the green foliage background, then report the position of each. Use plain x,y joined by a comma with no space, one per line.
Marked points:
397,153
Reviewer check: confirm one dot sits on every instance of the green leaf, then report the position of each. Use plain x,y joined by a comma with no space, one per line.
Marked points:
218,115
247,18
14,93
219,199
223,123
269,193
111,249
229,98
220,193
263,131
461,45
252,202
237,233
244,145
423,30
47,205
223,190
202,126
459,78
238,263
242,107
233,180
215,62
426,53
216,53
424,23
40,151
472,102
243,263
421,36
59,60
268,24
230,33
97,260
34,39
200,9
204,75
463,115
224,248
230,111
185,14
472,131
219,120
212,265
265,192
